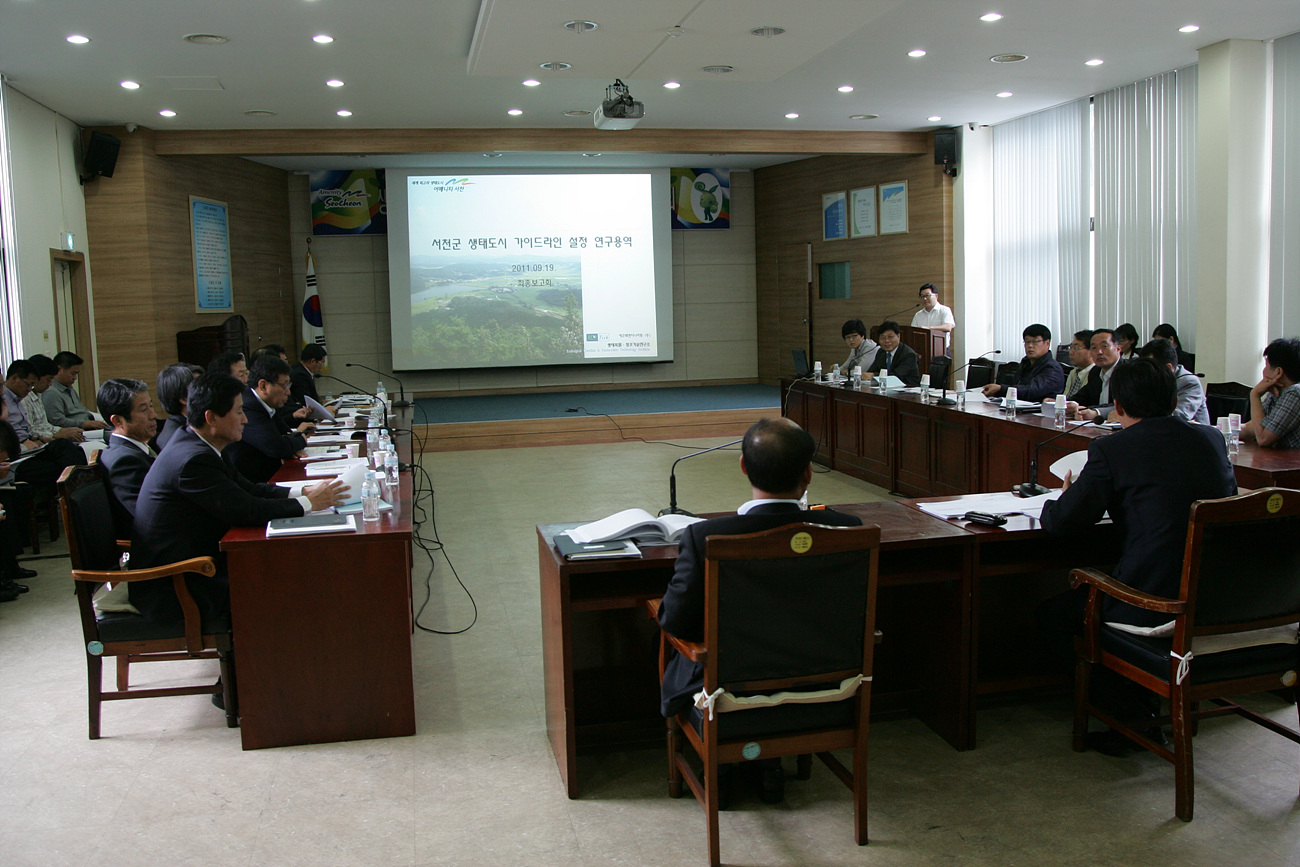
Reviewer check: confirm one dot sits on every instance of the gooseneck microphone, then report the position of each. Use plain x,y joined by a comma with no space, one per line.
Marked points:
401,392
1031,488
948,401
672,480
901,312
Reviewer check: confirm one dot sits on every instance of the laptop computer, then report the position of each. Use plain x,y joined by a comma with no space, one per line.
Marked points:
801,368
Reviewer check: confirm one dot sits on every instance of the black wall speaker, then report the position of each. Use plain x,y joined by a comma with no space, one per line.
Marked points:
101,156
947,149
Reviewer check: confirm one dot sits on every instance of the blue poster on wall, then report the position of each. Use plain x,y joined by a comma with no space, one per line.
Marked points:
835,217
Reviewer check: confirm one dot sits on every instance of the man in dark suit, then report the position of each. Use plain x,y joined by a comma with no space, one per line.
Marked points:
173,384
900,360
191,497
1093,399
302,376
126,461
1146,475
1040,376
776,455
268,440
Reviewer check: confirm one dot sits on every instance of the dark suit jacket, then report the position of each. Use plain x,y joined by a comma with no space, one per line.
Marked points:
682,613
1147,476
1038,382
1089,394
125,467
906,366
173,424
267,442
302,383
189,499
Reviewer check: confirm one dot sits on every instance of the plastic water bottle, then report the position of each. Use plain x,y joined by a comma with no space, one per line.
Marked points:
883,380
372,442
370,497
1009,402
817,371
835,372
1060,412
390,469
925,388
960,386
1234,433
385,441
857,377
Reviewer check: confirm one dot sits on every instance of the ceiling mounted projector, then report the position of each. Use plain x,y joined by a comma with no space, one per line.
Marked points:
618,110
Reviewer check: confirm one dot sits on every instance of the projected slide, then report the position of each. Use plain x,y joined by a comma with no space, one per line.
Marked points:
531,269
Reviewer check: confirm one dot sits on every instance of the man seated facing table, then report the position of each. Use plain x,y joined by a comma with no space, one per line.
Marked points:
934,315
862,349
34,404
1040,376
776,454
128,457
191,497
900,360
63,407
1191,394
44,467
1080,362
302,376
1275,399
268,441
173,383
232,363
11,523
1146,477
1092,401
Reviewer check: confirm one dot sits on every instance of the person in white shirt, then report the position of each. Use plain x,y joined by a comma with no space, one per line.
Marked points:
934,315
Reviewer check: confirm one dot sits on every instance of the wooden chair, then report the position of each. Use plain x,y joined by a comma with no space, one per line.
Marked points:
1241,573
787,610
88,522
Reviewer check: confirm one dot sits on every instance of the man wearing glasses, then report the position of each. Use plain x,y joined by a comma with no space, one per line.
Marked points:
1040,376
934,315
267,441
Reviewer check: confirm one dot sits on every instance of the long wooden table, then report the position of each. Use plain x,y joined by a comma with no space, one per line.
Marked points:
939,581
922,450
322,629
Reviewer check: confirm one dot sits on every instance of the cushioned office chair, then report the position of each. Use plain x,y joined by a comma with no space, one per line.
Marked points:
1240,595
1063,355
939,367
116,629
1008,372
787,611
979,372
1222,398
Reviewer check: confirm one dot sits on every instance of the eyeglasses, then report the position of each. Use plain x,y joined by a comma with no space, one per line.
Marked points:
1033,341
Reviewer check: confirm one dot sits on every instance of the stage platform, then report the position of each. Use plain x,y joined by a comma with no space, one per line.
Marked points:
574,417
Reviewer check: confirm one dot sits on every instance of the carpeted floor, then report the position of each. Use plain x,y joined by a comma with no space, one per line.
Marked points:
452,410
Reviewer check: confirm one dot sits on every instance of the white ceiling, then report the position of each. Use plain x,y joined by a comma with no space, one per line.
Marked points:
460,63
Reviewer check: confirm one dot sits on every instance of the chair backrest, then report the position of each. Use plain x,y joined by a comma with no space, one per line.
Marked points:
1008,372
88,518
1063,355
790,604
939,367
979,372
1242,565
1222,398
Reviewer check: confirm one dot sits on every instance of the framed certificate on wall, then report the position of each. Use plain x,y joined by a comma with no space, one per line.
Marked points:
835,224
862,212
893,208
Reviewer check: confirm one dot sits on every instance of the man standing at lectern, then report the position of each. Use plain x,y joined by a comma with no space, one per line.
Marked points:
776,455
934,315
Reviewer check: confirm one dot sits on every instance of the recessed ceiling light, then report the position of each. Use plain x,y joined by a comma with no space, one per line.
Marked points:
78,39
934,118
515,112
767,32
845,88
335,82
322,39
991,17
594,154
672,85
863,116
577,112
1096,61
1189,28
555,66
530,82
494,155
1004,94
580,26
205,39
167,112
1009,58
343,112
791,115
259,112
131,85
916,52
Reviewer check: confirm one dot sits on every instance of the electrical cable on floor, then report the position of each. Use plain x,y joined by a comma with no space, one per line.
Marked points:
588,412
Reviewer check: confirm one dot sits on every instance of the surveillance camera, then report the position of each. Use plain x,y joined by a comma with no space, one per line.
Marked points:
130,127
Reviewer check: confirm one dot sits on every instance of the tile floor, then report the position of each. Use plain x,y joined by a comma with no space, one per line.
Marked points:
169,785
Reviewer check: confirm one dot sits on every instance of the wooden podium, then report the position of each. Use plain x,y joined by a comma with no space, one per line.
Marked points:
928,343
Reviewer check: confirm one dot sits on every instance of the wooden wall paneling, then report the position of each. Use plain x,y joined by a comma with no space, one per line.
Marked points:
794,263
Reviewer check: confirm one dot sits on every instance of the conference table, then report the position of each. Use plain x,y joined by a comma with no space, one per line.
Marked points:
322,627
955,608
918,449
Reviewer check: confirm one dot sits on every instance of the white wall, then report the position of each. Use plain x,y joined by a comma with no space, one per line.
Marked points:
972,247
43,150
715,308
